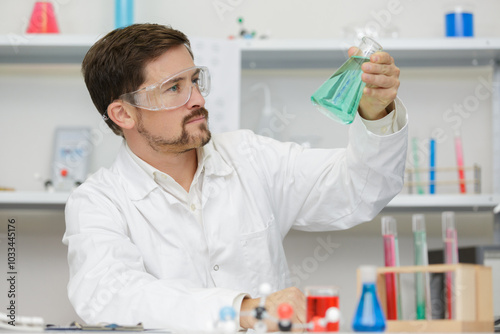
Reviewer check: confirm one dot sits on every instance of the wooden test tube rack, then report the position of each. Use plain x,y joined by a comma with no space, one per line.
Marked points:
473,299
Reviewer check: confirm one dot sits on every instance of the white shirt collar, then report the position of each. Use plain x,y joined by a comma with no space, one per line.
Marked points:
166,181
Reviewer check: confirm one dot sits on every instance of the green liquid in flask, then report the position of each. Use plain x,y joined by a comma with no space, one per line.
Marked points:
339,96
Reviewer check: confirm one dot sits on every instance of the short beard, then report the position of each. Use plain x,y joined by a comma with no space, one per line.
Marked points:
184,142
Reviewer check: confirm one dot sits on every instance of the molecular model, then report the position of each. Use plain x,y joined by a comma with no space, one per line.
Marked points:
245,33
227,324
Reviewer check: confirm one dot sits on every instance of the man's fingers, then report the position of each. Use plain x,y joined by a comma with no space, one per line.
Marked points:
390,70
381,81
352,50
381,57
292,296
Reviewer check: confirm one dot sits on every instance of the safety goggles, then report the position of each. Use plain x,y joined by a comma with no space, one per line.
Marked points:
172,92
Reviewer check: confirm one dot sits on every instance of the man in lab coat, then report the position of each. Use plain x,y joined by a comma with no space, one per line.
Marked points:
184,223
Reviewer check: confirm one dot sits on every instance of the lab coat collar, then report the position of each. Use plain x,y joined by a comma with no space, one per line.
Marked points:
139,184
212,160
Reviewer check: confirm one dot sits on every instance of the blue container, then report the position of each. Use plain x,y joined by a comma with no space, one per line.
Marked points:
459,24
369,316
124,13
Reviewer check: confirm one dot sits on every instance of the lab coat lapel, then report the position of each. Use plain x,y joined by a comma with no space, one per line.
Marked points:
136,182
157,210
216,169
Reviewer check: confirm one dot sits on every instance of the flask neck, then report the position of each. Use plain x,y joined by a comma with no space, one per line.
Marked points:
369,287
368,47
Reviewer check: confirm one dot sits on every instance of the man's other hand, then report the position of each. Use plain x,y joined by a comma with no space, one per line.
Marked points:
292,296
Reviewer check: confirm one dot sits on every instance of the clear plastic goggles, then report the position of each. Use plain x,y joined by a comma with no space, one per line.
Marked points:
172,92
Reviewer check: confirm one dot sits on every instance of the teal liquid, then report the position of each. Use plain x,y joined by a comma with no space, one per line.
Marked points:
339,96
422,283
419,240
369,316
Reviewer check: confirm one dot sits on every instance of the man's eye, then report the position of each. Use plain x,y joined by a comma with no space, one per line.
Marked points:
173,89
196,81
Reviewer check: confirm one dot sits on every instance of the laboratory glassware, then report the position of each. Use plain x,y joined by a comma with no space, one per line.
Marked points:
432,166
422,280
450,257
369,316
459,22
339,96
460,162
124,13
43,19
416,164
391,257
319,300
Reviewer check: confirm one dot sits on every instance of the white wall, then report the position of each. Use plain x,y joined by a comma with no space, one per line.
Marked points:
37,98
279,18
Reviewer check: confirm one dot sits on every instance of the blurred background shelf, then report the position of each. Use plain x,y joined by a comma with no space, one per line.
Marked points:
33,200
430,203
40,49
273,53
266,54
284,54
401,203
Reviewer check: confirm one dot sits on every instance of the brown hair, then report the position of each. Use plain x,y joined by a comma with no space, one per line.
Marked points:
115,64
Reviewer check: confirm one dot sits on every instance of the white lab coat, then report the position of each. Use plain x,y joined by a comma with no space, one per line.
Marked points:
137,255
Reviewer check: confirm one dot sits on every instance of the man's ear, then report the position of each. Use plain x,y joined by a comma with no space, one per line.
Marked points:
121,115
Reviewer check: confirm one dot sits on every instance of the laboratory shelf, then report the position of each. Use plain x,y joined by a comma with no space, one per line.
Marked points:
272,53
403,203
289,54
48,48
464,203
33,200
267,54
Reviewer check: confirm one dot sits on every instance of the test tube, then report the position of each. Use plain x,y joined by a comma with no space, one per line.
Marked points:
420,189
460,162
391,256
432,166
450,257
422,280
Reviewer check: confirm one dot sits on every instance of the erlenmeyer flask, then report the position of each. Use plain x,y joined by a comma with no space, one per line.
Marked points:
339,96
43,19
369,316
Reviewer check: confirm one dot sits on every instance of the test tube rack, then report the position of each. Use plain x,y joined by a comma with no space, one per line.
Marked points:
417,177
473,288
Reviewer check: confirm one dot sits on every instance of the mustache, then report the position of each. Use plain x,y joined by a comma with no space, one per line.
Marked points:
195,114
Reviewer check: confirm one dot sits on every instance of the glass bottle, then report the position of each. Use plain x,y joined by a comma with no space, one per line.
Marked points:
369,316
339,96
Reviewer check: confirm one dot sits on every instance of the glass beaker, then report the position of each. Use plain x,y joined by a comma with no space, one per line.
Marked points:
338,98
319,300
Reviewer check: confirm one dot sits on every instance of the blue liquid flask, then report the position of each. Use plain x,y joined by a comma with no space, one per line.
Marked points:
124,13
338,98
369,316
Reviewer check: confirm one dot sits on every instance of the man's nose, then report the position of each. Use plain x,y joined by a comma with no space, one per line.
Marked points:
196,100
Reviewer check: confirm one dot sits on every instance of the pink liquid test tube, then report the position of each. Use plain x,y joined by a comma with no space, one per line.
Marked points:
460,163
389,234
